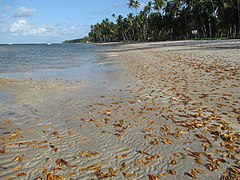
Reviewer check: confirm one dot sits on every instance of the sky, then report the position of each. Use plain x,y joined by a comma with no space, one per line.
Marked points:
53,21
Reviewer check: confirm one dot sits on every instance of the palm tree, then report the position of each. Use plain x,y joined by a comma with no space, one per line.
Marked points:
172,19
238,12
120,29
158,4
146,12
113,16
130,22
155,26
148,8
133,4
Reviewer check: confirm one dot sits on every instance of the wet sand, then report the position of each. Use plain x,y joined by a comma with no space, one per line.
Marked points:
166,110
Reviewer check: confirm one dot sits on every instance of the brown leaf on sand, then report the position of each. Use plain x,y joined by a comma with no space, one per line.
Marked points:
207,141
2,150
147,130
151,177
62,162
200,136
199,171
122,156
198,160
163,175
19,132
154,142
165,128
14,135
55,133
197,155
166,140
101,175
111,173
231,173
42,147
117,125
17,168
172,172
221,160
143,152
107,121
182,132
235,170
99,125
88,154
73,174
228,145
148,160
213,166
174,162
57,169
51,176
151,135
229,137
153,157
188,142
18,158
21,174
205,146
108,112
219,151
7,132
47,126
123,167
94,168
133,175
191,173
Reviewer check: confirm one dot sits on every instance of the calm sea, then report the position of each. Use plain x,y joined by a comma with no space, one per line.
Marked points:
40,61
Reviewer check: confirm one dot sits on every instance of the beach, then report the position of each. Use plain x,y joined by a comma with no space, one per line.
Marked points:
159,110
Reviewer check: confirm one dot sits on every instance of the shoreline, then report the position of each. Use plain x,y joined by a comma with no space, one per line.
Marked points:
193,41
170,112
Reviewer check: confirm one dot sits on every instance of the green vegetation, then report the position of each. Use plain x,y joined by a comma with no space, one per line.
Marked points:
82,40
171,20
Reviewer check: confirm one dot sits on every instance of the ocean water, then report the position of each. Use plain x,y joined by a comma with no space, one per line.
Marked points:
41,61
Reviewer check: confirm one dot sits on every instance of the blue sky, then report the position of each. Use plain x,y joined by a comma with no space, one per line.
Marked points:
42,21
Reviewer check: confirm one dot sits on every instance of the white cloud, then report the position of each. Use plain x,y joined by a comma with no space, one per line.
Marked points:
23,28
25,12
70,30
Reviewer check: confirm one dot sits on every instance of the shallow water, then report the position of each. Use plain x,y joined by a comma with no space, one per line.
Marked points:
82,63
41,61
6,98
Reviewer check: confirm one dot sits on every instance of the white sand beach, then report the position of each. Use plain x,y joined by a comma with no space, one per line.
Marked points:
168,110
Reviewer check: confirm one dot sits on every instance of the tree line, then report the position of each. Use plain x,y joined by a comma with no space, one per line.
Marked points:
171,20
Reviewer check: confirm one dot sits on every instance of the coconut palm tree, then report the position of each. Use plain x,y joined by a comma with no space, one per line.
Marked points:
172,19
158,4
134,4
148,8
146,11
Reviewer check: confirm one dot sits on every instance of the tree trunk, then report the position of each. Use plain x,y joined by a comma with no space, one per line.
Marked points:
210,27
185,19
203,27
238,26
